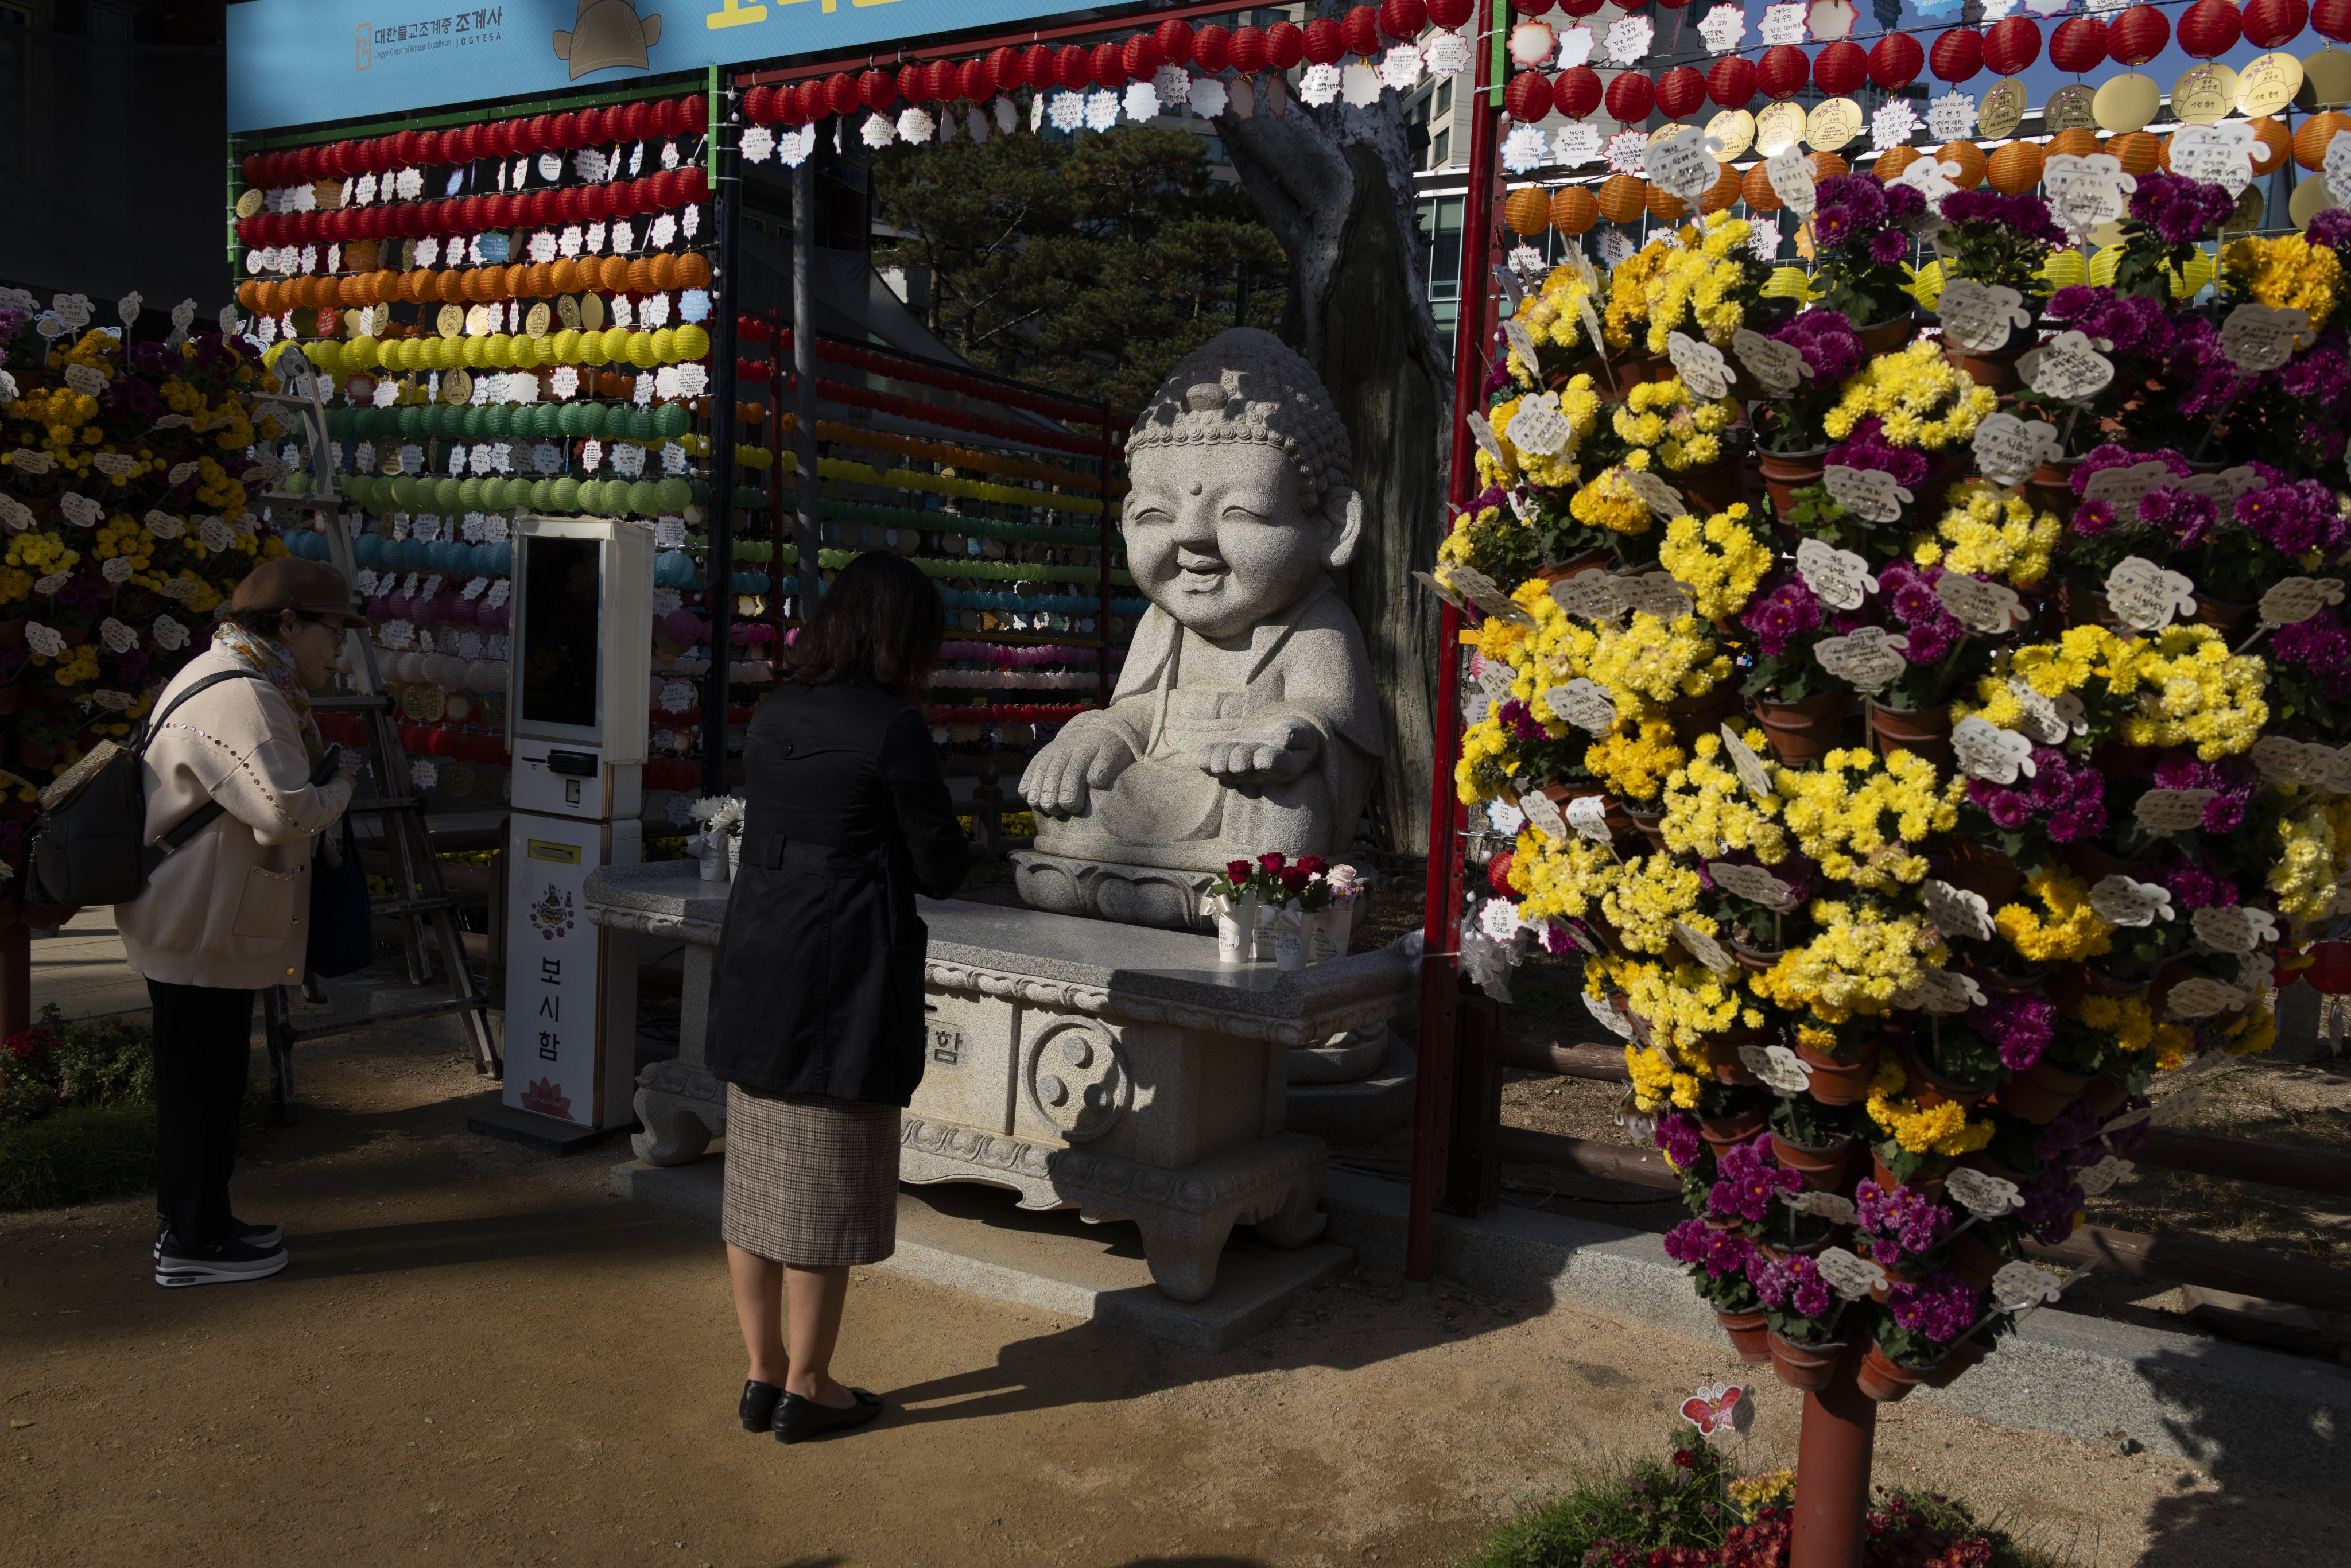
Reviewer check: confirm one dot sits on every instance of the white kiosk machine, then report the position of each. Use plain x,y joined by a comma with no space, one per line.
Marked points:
576,704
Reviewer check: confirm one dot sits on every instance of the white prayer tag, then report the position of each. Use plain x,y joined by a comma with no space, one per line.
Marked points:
1682,164
1656,594
1753,884
2146,596
2119,901
1980,319
1991,608
1583,704
2233,928
2258,338
1703,948
1982,1195
1944,992
1539,427
1838,578
2297,599
1748,766
1870,494
2069,368
2173,810
1777,367
2200,998
1660,497
1592,595
1956,912
1588,815
1543,815
2008,449
1606,1017
1867,659
1700,364
1984,750
1791,181
1487,596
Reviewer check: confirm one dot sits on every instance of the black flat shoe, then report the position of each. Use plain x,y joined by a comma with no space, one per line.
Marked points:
759,1407
797,1417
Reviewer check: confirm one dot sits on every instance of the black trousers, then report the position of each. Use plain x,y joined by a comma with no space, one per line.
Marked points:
202,1037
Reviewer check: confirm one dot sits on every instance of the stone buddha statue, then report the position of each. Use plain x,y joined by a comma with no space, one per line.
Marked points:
1244,719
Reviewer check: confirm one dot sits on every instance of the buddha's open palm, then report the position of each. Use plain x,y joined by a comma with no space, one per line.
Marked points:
1271,751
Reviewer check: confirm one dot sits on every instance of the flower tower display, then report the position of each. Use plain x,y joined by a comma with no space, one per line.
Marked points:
127,473
1929,730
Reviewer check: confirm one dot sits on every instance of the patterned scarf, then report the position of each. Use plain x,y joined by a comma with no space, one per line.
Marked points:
266,658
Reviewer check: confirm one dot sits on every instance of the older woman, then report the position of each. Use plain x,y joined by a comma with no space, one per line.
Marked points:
816,1010
226,914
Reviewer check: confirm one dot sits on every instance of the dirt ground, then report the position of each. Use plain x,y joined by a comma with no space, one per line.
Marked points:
479,1356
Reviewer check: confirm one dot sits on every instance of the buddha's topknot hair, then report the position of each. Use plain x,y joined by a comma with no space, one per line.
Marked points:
1248,385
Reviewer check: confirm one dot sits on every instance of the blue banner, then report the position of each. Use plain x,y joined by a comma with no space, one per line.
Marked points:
296,62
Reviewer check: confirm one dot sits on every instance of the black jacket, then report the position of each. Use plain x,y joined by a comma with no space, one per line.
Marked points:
818,988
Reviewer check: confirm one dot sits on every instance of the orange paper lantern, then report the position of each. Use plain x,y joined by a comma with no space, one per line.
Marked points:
2310,140
1528,211
2014,168
1572,210
2135,150
1827,166
1621,197
1756,187
1892,162
1968,157
2080,143
1724,194
694,270
1665,206
2271,144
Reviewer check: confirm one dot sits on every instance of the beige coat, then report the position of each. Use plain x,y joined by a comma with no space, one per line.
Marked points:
230,909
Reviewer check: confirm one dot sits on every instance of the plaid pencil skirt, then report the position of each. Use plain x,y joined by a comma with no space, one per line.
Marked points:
810,1182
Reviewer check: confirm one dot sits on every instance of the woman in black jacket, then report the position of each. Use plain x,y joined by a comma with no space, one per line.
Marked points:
816,1006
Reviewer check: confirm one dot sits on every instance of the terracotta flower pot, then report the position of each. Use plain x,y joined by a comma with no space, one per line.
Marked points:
1785,473
1996,370
1650,825
2106,1095
1983,870
1754,960
1956,1361
1748,1335
2226,616
2083,607
1717,488
1802,731
1576,566
2028,1100
1823,1169
1884,1379
1893,1277
1724,1131
1810,1367
1701,714
1838,1083
2051,488
1925,732
1931,1089
1889,336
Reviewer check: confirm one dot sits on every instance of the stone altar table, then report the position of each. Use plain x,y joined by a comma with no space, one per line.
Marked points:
1116,1070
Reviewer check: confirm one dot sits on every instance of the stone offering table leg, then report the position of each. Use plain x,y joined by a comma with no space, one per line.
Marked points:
681,1105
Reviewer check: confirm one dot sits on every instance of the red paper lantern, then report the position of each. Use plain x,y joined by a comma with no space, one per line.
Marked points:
1681,91
1840,68
405,143
1285,45
1895,61
1576,91
1451,13
1324,43
2012,43
498,210
1006,67
1527,98
695,183
841,93
915,83
2333,19
570,132
2270,24
591,127
2329,972
1106,68
1073,67
809,103
2209,28
973,81
1578,8
1731,81
637,118
543,136
250,167
938,81
1531,7
1783,71
2137,35
1956,55
1630,98
1212,47
665,119
2080,44
1403,19
1140,56
877,91
1175,40
1361,28
1249,51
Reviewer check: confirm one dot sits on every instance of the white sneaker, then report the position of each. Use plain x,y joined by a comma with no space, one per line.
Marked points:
227,1264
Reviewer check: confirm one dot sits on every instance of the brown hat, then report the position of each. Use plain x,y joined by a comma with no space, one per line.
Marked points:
309,588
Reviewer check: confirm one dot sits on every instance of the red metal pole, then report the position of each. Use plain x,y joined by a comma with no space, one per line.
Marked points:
1832,1461
1441,924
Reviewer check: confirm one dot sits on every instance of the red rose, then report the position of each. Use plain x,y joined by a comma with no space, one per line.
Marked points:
1237,871
1295,879
1313,865
1273,861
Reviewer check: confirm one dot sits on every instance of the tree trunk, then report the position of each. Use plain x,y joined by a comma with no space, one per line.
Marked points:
1334,184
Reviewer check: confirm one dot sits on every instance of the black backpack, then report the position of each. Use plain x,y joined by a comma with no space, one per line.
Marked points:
89,845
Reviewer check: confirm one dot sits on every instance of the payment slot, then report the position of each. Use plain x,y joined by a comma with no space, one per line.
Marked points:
578,697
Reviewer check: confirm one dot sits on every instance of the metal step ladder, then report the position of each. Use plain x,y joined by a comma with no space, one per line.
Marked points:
420,900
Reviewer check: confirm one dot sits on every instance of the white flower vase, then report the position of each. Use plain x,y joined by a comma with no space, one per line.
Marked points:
1236,928
1290,938
734,855
1266,915
1334,925
712,857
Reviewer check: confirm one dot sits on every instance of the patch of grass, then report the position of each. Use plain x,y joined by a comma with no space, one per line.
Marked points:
79,1154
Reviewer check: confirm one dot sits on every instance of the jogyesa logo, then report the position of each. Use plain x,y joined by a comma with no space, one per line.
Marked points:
480,25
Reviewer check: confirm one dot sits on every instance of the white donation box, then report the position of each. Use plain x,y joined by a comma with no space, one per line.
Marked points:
577,707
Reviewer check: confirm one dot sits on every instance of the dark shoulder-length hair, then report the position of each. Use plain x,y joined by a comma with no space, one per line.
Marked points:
880,621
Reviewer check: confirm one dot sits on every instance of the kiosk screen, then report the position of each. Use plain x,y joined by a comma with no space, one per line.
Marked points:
562,597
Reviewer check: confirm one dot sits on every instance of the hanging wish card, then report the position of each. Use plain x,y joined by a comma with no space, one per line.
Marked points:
1583,704
2119,899
1869,494
1956,912
2070,368
1700,364
1866,659
2008,449
1981,318
2146,597
1838,578
1778,367
2297,599
1991,608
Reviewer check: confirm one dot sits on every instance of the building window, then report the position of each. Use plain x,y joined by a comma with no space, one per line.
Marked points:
1445,95
1440,148
1440,231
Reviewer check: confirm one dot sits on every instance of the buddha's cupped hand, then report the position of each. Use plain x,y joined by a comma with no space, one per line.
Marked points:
1272,751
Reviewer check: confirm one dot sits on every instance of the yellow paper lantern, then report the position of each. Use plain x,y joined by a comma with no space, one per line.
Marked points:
2063,269
2194,277
1927,287
2102,263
